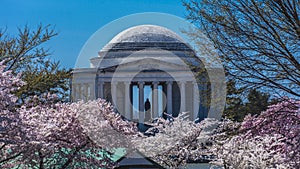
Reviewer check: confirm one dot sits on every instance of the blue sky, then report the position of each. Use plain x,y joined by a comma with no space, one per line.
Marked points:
76,20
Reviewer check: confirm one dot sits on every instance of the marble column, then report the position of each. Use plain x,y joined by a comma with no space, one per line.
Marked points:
114,93
74,92
182,96
127,100
141,102
100,89
169,97
155,100
195,99
86,91
205,99
92,91
79,95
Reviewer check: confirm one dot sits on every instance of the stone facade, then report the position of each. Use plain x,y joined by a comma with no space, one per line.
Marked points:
140,56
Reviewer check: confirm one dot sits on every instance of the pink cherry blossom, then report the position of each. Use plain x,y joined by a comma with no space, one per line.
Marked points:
45,134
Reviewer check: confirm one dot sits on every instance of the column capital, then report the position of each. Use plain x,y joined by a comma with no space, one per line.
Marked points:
155,82
127,82
100,82
169,82
195,84
141,82
182,82
114,82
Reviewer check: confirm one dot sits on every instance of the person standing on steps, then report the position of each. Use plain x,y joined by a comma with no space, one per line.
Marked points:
147,110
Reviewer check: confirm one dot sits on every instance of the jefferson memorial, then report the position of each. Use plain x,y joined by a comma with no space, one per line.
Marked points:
146,62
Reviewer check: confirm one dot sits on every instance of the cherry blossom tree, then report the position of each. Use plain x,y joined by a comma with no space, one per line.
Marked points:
269,140
281,120
46,134
175,141
254,152
9,121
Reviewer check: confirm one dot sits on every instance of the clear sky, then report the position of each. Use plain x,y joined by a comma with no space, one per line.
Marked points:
76,20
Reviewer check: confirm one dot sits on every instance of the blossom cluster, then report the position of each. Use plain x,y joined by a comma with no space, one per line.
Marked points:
175,141
255,152
282,121
9,83
268,140
44,133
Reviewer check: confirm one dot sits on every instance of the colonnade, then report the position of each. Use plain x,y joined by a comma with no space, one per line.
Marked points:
86,91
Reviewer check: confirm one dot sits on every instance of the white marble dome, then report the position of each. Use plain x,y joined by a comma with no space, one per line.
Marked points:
143,41
145,36
147,33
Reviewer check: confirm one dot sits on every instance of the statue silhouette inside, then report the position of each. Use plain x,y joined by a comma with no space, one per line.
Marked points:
147,110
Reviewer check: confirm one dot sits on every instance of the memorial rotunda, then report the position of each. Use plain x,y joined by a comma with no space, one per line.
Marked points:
146,58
